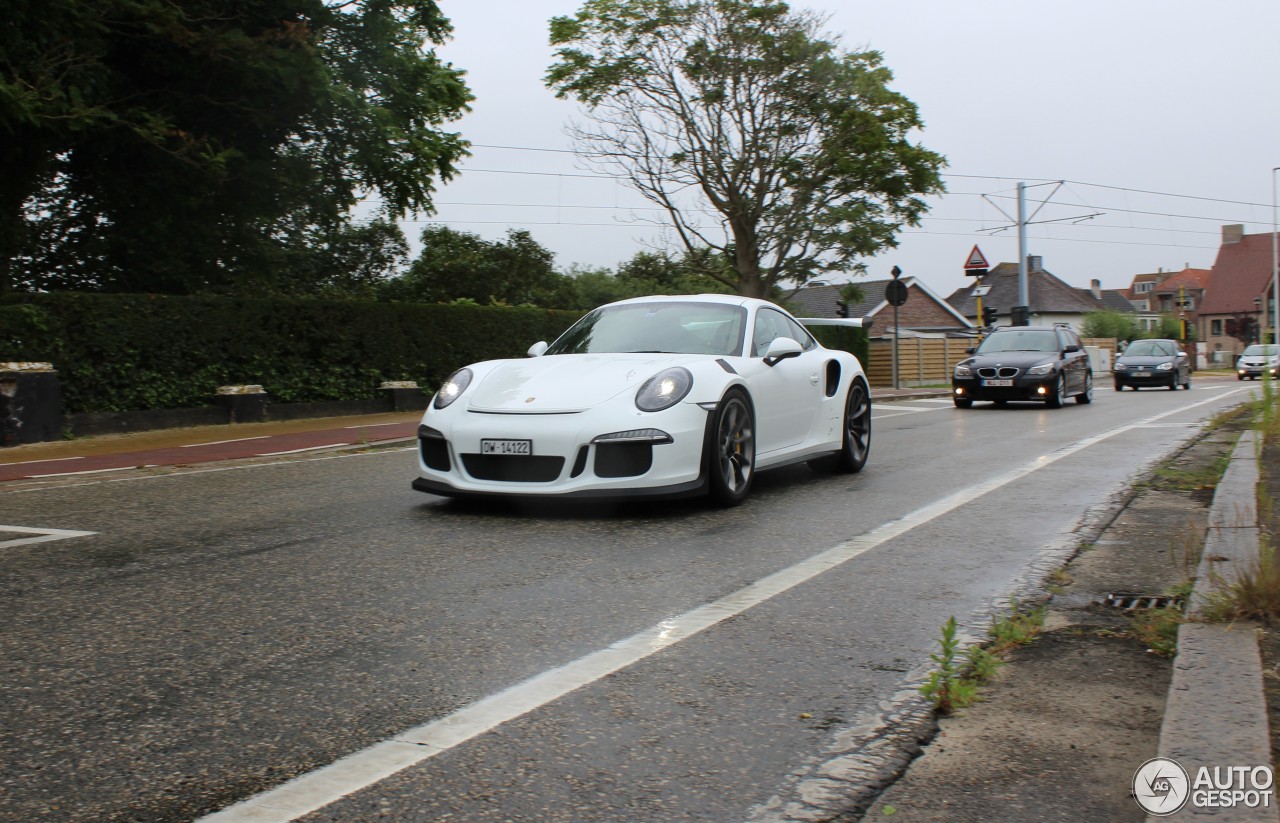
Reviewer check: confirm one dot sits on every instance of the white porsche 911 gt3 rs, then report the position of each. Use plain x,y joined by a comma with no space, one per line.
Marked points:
651,397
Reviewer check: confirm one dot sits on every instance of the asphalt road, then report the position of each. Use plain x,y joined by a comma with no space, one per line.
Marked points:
225,628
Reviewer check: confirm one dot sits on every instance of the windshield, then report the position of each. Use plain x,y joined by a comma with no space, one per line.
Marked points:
666,327
1029,340
1259,351
1150,348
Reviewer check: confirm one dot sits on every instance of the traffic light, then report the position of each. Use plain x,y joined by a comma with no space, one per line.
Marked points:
989,315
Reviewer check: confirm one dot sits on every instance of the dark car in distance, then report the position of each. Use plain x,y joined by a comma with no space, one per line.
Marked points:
1160,363
1044,363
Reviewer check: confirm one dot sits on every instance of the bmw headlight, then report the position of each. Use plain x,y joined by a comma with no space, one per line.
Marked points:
452,388
963,370
664,389
1165,366
1043,368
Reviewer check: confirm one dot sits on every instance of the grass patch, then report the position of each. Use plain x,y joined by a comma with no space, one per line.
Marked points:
956,681
1157,629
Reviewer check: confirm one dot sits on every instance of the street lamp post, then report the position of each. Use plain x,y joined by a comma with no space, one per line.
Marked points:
1275,265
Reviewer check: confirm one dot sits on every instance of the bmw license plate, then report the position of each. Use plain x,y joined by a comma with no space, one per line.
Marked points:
997,382
506,446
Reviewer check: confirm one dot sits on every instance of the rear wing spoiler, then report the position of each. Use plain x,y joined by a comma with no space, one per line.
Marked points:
847,322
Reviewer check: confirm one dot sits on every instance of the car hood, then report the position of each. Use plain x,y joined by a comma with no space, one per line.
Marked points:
1019,359
1143,360
564,383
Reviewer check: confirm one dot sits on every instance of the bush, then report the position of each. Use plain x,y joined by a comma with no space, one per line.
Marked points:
132,352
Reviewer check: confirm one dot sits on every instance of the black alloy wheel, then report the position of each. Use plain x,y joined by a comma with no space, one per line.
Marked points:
731,456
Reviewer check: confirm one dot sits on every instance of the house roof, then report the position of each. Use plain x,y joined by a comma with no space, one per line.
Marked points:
1241,273
1190,278
1046,294
1117,300
823,301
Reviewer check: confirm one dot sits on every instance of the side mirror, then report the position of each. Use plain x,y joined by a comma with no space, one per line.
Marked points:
971,350
780,349
1071,348
537,349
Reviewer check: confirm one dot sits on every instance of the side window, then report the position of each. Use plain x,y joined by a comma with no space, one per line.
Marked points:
771,325
799,333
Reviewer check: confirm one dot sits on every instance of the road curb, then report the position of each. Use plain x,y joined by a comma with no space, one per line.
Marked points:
1216,711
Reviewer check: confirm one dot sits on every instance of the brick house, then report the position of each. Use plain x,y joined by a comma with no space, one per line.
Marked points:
1238,288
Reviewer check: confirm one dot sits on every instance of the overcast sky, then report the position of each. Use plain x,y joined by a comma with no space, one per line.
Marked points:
1162,116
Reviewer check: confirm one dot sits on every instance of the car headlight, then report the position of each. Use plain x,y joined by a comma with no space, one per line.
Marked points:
1121,366
1043,368
664,389
963,370
452,388
1164,366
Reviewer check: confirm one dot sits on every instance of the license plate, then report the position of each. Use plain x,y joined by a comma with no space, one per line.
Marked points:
997,382
506,447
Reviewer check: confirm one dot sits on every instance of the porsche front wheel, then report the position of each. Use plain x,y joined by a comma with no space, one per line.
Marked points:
731,450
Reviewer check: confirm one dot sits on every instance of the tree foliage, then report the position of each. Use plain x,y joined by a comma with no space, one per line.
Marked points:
1110,324
455,265
762,140
154,145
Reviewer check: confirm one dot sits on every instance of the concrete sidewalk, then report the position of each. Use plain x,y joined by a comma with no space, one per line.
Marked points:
207,444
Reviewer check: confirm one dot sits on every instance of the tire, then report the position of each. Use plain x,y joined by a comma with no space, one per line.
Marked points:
1173,383
962,402
1085,397
1054,400
1119,386
855,444
731,450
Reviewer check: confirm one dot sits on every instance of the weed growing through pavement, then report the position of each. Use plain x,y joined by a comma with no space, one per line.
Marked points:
1157,629
954,684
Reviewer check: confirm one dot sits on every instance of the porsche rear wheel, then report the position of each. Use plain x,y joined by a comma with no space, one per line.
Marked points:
731,450
857,428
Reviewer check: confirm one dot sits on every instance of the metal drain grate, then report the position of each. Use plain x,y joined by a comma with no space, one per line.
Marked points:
1133,602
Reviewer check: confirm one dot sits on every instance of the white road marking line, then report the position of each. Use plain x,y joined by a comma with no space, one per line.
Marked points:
214,470
91,471
359,770
46,460
223,442
299,451
39,535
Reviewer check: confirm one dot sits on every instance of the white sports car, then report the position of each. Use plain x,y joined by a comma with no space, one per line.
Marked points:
651,397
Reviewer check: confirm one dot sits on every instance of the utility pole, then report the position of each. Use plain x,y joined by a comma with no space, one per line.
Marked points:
1020,315
1023,310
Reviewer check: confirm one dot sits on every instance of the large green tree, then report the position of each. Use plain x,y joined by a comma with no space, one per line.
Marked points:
761,138
176,145
456,265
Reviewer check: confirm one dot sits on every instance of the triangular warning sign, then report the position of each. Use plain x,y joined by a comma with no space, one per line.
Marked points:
976,260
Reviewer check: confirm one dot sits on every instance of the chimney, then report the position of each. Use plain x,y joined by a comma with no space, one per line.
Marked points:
1232,234
1095,286
1035,262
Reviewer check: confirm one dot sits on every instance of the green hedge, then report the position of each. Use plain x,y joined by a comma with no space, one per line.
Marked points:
132,352
854,341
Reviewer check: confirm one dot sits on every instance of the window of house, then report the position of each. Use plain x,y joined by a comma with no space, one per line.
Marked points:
1143,288
1215,328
